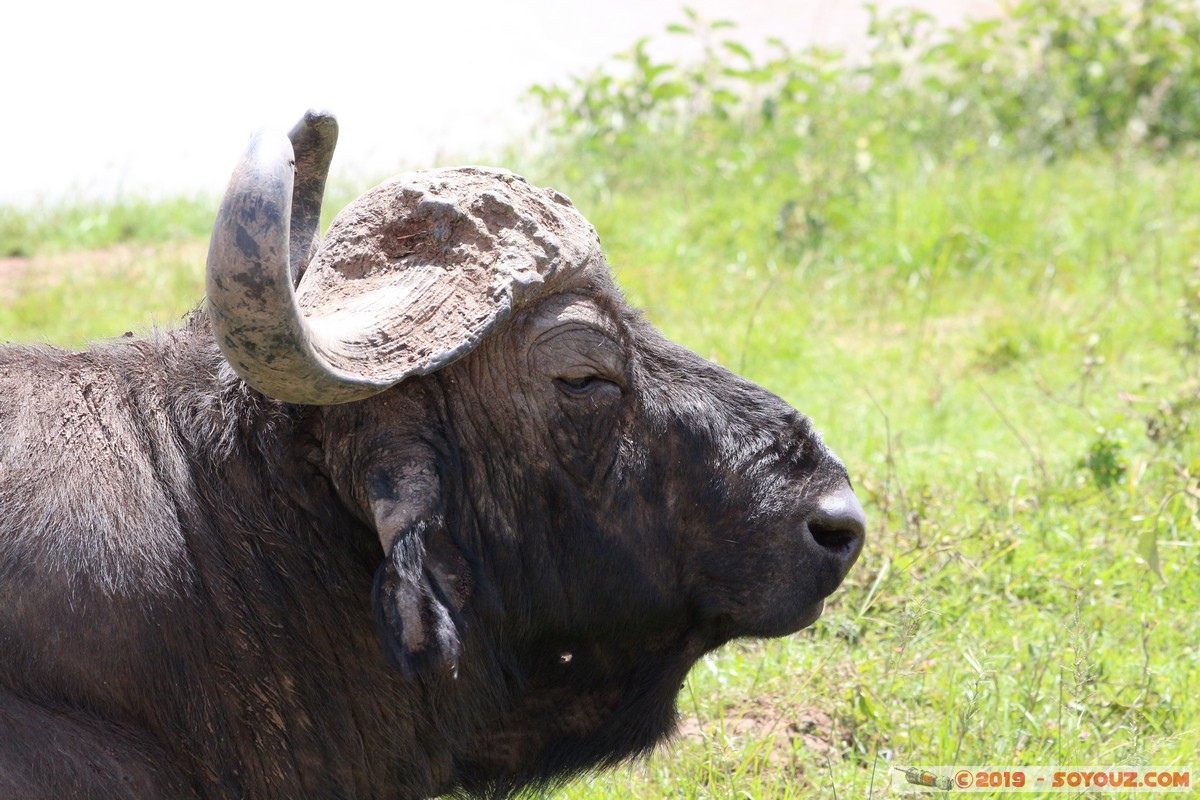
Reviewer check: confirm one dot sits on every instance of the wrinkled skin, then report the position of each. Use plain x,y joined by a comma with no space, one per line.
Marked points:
487,577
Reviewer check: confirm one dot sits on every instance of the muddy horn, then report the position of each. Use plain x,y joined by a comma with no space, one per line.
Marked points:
411,276
261,242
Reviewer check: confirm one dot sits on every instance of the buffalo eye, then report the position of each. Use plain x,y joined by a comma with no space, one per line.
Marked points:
581,384
586,385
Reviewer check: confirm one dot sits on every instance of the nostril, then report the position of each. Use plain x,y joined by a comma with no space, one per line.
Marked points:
833,537
838,523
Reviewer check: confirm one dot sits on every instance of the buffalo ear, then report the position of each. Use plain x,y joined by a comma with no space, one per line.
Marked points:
421,587
420,629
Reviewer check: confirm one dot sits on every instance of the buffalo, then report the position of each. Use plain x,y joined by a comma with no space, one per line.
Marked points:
420,507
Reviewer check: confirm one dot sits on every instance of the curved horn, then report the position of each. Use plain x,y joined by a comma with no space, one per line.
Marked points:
313,139
255,259
411,276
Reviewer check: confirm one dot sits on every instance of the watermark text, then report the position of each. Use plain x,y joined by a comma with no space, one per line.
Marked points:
1050,779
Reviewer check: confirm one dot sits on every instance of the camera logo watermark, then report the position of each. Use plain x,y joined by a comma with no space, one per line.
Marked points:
1050,779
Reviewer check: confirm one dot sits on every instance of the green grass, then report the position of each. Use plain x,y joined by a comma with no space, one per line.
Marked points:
1001,353
78,273
27,231
76,297
1004,347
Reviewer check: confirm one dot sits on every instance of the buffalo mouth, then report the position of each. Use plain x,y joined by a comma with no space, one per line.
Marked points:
783,589
811,616
770,623
830,540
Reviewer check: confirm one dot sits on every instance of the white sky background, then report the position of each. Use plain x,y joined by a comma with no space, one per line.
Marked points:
103,99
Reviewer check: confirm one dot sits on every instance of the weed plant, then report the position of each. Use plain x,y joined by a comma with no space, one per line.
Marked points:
972,255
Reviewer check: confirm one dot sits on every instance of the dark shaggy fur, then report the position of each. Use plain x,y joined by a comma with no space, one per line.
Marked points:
187,568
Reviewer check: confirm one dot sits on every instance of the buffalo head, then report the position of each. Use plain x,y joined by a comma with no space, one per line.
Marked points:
571,508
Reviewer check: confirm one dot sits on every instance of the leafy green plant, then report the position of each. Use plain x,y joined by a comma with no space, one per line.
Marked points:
1105,458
